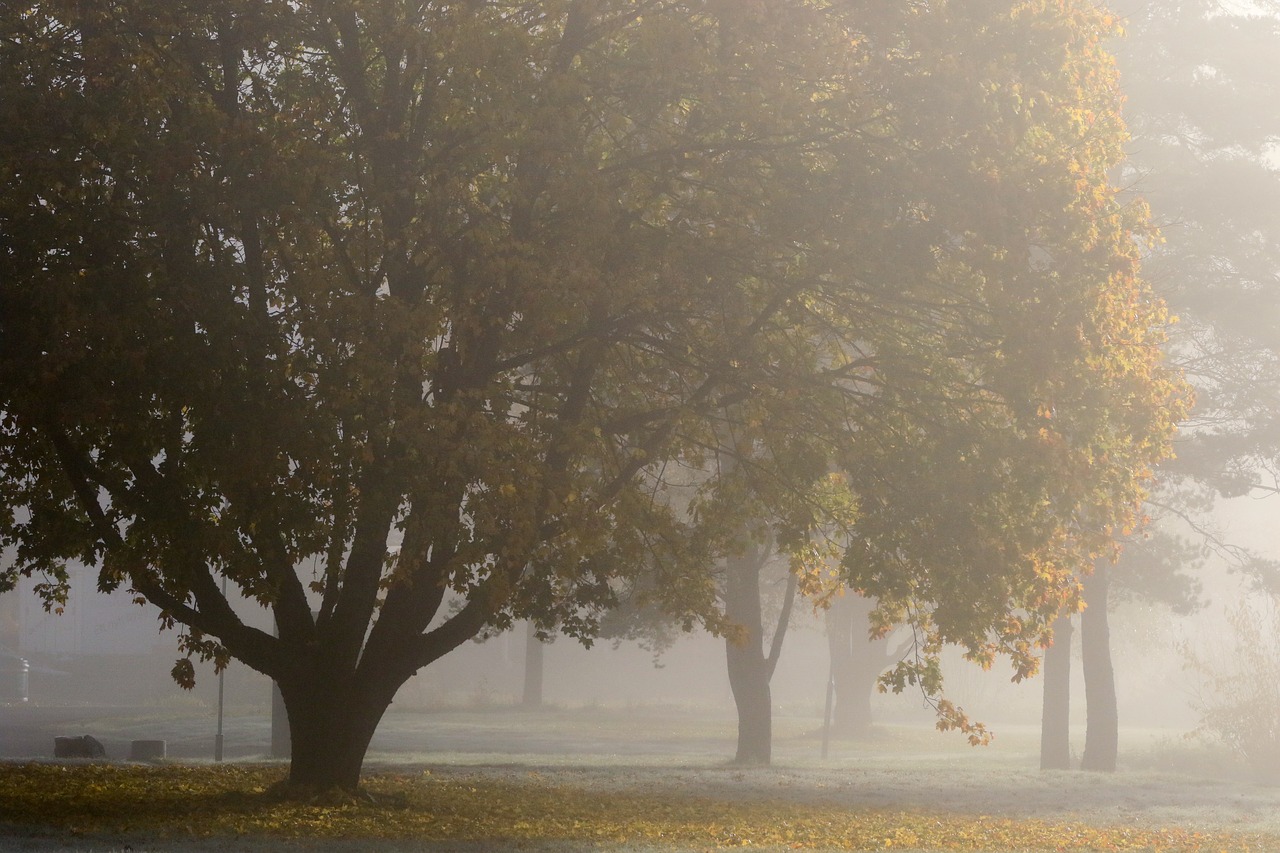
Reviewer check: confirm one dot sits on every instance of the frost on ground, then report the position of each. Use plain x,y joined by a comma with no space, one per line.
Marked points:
676,758
1125,798
1164,780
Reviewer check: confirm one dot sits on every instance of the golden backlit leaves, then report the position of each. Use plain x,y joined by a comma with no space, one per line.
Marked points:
229,802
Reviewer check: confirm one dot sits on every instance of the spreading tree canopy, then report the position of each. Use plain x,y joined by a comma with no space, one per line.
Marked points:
370,305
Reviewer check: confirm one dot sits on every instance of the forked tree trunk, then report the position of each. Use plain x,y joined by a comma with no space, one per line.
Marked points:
534,660
1055,720
1102,719
750,669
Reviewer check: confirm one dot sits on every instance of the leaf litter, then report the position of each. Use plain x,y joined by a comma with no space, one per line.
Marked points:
535,810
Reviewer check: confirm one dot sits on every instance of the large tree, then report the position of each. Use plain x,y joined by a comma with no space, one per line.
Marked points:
360,303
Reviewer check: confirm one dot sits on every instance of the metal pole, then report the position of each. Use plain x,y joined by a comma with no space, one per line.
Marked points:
826,715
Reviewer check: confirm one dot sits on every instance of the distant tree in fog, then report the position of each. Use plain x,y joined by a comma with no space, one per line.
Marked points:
1201,86
1238,697
1201,89
363,304
858,659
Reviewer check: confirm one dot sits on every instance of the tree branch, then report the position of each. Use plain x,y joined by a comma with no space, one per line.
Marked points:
780,633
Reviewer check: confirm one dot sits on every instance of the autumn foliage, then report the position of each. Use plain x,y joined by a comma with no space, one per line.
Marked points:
367,306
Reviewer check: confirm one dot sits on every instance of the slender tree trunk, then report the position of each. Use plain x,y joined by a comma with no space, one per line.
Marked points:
533,666
1055,720
748,666
1102,718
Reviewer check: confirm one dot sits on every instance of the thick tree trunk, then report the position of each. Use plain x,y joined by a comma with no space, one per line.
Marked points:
846,634
533,668
845,717
755,714
749,669
280,735
1055,720
1102,718
331,723
328,750
856,663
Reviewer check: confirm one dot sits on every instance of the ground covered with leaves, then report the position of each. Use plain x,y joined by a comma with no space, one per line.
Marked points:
240,807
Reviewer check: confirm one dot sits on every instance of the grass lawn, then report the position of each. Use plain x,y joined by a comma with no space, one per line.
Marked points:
650,781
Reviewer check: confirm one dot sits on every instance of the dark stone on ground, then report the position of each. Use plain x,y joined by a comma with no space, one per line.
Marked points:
85,746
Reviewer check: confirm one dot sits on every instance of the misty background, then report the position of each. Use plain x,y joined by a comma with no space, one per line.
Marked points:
105,651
